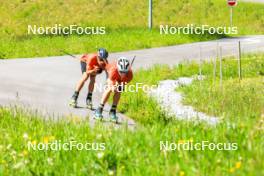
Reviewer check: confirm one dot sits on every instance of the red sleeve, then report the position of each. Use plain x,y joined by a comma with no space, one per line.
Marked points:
129,76
84,57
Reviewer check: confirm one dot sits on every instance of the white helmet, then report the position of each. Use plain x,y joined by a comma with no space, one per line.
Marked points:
123,64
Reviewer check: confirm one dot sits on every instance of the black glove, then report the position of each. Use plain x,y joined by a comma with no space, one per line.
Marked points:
100,70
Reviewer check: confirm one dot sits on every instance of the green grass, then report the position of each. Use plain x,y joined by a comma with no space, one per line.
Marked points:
252,67
116,40
136,152
127,152
126,23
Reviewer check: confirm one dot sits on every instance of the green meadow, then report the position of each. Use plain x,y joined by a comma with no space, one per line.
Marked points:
125,22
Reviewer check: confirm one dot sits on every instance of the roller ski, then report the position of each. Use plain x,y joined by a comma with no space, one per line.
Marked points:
73,103
113,117
89,104
98,115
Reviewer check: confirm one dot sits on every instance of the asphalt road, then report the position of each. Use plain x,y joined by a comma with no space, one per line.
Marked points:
46,84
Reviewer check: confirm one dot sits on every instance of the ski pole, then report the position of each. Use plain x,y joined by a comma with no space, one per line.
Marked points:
68,53
133,60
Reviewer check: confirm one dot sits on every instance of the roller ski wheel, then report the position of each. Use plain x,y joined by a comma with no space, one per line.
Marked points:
89,104
73,103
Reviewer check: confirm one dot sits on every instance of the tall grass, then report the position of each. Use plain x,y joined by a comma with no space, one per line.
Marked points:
115,40
125,21
127,14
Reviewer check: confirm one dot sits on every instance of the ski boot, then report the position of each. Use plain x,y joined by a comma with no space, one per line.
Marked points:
113,116
89,104
98,114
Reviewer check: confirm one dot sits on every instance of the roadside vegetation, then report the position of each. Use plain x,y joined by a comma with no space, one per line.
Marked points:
239,104
125,22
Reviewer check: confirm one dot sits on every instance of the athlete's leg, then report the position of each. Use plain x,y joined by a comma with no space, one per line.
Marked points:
104,98
81,82
89,103
79,85
91,88
116,98
83,66
106,95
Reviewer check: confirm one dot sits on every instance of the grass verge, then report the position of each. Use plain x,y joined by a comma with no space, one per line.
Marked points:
114,40
125,21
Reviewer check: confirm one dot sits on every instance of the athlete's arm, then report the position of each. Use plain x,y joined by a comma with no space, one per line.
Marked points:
130,76
92,71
